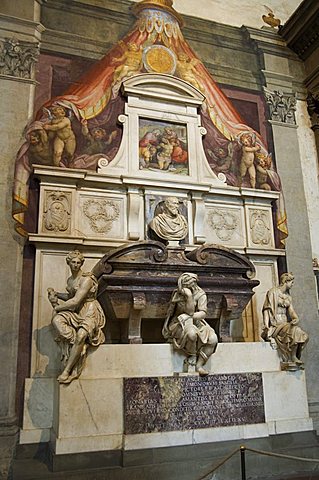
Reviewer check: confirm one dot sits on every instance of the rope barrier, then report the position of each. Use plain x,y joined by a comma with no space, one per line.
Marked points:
281,455
260,452
219,464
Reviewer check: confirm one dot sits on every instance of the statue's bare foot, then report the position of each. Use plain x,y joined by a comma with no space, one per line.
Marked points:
296,360
64,377
202,372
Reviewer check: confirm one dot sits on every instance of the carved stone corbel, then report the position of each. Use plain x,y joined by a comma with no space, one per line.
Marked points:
199,219
135,318
134,208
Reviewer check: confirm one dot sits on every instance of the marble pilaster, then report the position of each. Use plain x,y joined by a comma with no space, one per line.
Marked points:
299,240
283,80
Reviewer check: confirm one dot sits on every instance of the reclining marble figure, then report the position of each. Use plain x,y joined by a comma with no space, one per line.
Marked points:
79,320
185,324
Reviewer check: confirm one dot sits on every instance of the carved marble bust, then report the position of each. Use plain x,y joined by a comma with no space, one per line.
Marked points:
168,223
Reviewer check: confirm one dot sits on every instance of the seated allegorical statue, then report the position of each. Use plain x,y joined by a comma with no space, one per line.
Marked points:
185,324
281,323
79,320
168,223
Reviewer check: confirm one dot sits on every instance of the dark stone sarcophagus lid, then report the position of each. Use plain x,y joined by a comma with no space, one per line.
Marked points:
136,282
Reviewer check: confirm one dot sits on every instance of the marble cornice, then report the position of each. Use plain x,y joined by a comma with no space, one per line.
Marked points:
268,41
301,31
20,27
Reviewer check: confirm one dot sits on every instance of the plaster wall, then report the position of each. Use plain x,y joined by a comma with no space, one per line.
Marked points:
232,12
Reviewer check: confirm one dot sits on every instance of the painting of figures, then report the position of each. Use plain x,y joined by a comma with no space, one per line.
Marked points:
163,146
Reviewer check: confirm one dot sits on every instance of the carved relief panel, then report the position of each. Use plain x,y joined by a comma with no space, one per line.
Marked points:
224,225
260,228
56,215
101,216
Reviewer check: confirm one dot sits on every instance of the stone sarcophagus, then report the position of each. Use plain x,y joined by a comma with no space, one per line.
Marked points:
136,282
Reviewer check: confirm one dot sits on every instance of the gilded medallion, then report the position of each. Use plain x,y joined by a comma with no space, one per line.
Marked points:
159,59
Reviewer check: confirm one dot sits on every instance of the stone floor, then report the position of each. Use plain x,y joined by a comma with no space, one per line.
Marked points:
35,462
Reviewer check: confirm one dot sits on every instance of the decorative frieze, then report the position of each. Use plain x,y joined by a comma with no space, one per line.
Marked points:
282,106
17,58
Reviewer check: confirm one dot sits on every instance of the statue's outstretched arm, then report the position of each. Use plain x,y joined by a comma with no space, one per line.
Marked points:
81,294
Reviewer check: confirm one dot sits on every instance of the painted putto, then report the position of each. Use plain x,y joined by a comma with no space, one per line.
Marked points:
79,128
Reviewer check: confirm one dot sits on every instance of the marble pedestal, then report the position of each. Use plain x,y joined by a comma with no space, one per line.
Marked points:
87,415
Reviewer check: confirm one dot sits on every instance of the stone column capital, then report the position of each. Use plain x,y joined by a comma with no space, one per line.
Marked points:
17,58
313,110
282,106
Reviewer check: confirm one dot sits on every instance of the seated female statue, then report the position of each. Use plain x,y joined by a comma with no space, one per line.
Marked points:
281,322
79,320
185,324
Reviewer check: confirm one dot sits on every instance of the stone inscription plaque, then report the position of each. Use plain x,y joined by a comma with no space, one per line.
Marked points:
161,404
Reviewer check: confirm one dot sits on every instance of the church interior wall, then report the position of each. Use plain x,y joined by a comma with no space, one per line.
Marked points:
226,50
230,13
77,34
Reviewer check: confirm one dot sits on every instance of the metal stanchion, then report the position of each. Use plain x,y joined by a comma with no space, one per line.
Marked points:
242,462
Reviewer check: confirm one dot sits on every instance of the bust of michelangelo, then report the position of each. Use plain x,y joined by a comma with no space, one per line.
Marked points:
169,223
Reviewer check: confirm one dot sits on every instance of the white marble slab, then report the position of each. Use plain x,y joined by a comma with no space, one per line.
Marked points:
146,360
87,415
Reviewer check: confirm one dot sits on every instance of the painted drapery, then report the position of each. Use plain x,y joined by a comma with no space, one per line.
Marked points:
84,128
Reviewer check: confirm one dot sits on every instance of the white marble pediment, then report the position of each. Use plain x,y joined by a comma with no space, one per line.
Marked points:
163,87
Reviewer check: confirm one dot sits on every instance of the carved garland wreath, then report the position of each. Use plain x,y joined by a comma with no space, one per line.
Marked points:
224,223
101,214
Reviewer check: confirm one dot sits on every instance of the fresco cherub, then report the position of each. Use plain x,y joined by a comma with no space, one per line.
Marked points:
96,139
60,131
131,63
185,69
263,165
247,161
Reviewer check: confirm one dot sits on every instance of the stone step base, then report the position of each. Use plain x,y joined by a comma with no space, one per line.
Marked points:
35,462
